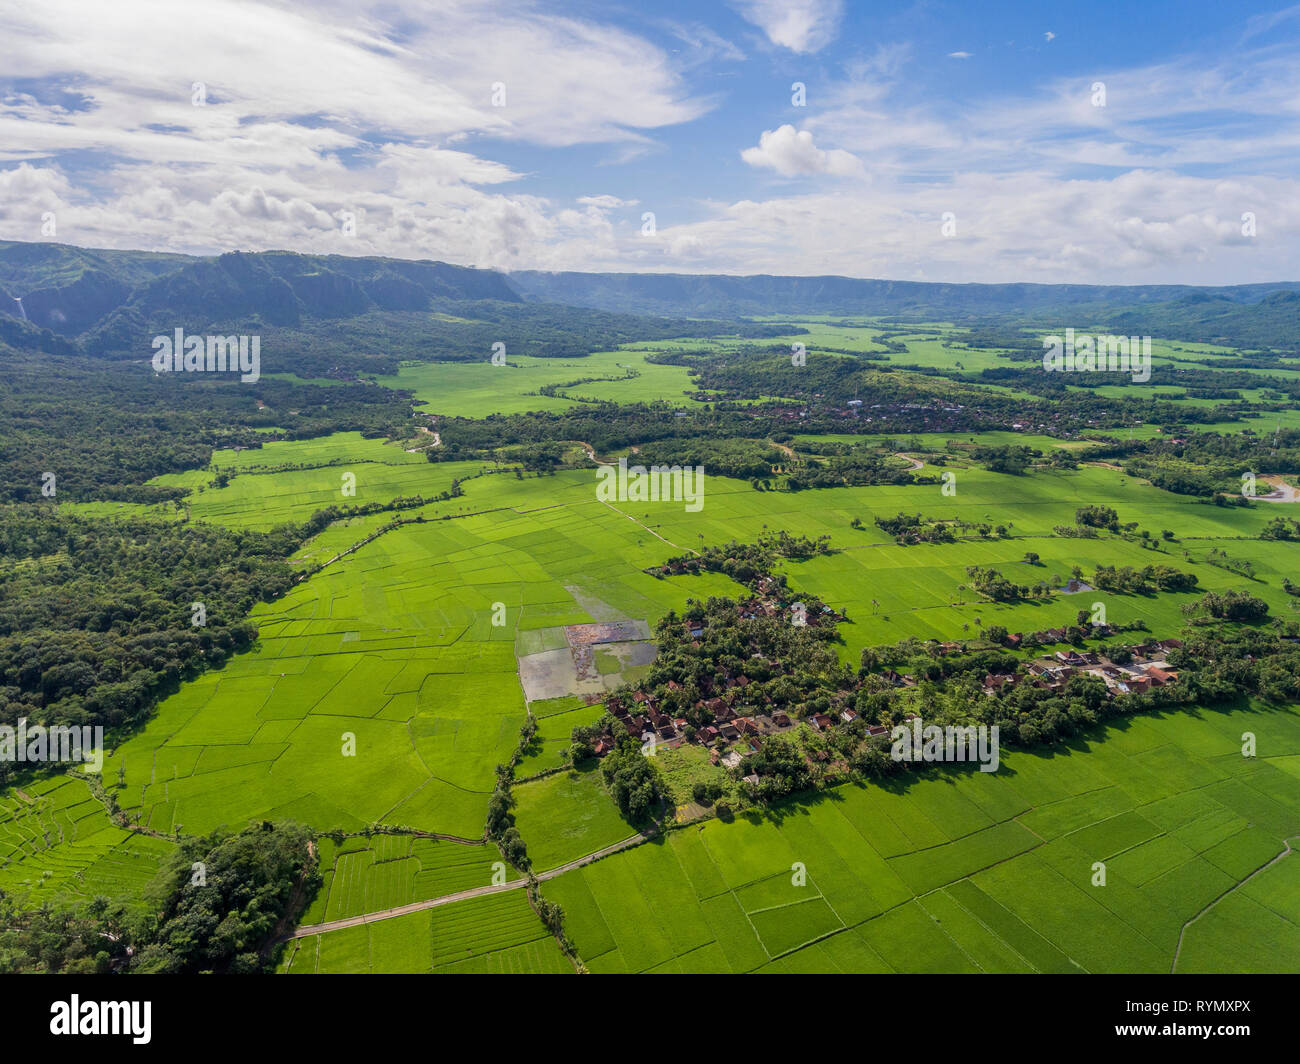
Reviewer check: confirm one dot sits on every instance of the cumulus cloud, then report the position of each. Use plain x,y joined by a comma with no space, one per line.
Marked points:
605,203
274,120
803,26
1141,227
316,114
792,153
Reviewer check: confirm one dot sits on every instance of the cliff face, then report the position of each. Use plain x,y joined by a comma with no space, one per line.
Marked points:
73,308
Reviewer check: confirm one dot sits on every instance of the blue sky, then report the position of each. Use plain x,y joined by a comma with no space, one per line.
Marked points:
1091,142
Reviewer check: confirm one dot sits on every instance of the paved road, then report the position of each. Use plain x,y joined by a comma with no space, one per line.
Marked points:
464,895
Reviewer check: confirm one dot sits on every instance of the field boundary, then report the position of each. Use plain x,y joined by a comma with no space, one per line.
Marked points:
463,895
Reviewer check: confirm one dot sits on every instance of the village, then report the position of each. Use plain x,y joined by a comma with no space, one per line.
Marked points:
734,726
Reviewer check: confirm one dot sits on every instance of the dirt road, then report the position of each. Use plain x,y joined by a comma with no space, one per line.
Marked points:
464,895
1282,491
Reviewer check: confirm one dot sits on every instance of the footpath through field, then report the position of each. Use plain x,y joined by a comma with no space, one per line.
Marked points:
464,895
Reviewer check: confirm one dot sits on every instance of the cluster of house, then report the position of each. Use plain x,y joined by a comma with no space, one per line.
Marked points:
1048,636
1147,669
727,726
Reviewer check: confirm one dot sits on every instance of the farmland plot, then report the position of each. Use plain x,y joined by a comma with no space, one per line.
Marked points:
968,871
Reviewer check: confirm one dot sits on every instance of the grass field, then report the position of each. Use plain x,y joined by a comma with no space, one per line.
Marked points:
553,738
365,875
288,481
477,389
495,934
57,843
566,816
380,690
890,591
394,644
383,690
974,872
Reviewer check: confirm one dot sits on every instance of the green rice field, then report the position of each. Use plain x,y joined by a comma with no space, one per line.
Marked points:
495,934
386,689
975,872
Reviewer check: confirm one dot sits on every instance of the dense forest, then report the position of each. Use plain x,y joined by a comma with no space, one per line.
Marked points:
103,429
99,619
216,906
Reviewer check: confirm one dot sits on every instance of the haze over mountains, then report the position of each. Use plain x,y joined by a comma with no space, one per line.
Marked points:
106,302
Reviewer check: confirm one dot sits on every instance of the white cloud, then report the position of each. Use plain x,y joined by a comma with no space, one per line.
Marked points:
792,153
605,203
566,79
803,26
312,111
389,117
1141,227
959,55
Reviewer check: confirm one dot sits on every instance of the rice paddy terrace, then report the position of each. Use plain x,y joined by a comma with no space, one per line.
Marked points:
387,686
